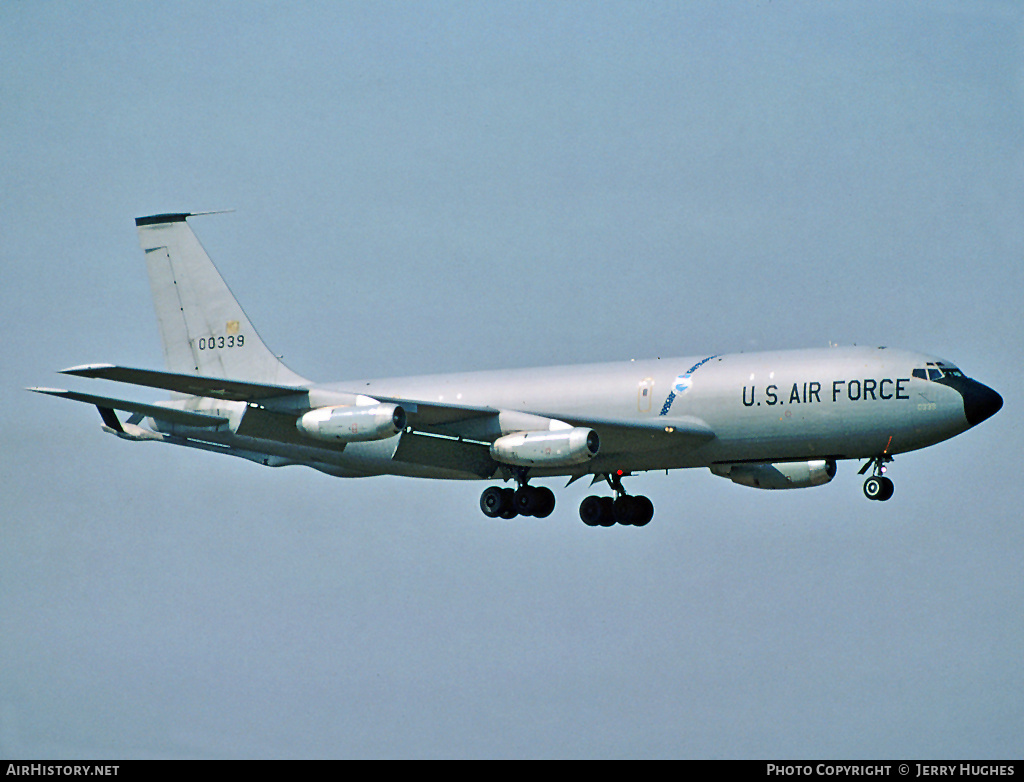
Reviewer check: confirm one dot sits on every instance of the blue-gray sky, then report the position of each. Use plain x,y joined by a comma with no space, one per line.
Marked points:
447,186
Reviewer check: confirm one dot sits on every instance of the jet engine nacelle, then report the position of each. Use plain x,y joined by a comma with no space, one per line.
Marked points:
559,448
353,423
780,475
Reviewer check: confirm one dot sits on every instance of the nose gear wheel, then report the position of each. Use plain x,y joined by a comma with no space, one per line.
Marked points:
877,486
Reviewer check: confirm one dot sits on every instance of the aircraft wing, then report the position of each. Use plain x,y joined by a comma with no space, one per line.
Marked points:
617,436
451,444
170,414
422,414
442,447
196,385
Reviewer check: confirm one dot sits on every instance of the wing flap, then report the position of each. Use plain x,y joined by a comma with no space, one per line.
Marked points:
264,424
446,452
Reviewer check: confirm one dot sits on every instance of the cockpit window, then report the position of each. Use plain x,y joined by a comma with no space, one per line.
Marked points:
936,371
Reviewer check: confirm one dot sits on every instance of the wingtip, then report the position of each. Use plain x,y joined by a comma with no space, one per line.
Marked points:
85,369
44,390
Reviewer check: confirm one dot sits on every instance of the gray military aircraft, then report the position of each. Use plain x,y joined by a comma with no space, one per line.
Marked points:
774,420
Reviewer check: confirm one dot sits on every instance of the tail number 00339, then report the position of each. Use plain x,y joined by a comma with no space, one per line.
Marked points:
230,341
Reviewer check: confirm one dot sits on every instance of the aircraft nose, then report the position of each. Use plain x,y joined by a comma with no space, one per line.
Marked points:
980,402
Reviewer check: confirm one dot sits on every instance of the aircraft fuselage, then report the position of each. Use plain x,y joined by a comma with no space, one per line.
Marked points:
769,420
843,402
835,403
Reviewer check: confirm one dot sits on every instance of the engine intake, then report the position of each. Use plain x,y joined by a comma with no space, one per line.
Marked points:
778,475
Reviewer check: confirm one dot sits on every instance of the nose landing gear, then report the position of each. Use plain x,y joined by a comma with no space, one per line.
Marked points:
877,486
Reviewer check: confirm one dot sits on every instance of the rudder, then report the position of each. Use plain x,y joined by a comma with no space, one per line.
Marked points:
202,326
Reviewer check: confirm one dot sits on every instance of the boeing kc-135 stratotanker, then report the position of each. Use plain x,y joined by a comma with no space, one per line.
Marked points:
773,420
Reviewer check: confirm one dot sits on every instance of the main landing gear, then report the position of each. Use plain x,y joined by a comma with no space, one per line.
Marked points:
624,509
538,501
877,486
526,500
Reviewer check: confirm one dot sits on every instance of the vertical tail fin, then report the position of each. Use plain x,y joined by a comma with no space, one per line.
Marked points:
203,327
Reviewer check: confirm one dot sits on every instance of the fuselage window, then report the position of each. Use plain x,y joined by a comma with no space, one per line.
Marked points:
644,393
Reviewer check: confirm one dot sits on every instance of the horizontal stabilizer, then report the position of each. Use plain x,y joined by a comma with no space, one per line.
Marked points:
105,403
195,385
